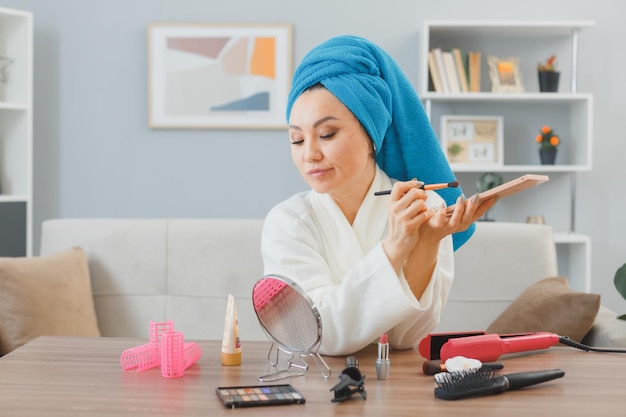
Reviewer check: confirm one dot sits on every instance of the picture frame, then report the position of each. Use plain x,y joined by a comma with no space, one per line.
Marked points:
219,76
468,141
505,75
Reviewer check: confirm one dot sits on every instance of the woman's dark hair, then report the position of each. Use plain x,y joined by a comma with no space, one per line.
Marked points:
316,86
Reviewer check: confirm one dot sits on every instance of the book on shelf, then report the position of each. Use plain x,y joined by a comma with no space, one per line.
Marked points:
445,85
473,65
434,72
460,69
450,68
451,71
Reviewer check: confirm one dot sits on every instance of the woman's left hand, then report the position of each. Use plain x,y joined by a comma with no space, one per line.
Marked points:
458,218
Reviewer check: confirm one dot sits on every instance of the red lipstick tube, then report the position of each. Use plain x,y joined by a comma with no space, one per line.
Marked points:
383,364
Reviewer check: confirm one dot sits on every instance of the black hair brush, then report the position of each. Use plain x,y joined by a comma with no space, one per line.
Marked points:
458,385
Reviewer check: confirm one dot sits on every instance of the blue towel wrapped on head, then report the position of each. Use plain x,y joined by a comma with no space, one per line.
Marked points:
372,85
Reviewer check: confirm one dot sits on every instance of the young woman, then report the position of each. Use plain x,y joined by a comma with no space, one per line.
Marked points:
372,264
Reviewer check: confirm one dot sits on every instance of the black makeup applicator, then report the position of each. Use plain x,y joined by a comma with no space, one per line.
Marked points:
437,186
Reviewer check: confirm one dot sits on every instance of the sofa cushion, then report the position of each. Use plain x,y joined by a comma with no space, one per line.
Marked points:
496,265
549,305
46,295
607,330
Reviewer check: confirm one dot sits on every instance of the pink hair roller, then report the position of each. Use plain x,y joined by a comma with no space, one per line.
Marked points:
157,328
142,357
193,352
172,354
147,356
167,348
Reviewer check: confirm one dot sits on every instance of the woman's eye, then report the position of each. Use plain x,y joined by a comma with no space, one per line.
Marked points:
297,141
328,135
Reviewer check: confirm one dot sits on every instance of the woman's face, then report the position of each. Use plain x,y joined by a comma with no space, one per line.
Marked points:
329,146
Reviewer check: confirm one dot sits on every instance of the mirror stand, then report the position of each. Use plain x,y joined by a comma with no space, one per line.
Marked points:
293,324
292,368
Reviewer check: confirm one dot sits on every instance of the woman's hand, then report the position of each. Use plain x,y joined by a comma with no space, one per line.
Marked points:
465,212
407,213
412,243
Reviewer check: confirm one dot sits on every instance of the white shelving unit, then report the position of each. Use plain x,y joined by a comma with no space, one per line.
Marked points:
16,137
574,257
567,111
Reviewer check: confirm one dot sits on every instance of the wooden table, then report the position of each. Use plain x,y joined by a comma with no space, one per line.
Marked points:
74,376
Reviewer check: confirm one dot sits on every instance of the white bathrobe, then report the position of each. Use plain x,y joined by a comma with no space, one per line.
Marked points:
345,271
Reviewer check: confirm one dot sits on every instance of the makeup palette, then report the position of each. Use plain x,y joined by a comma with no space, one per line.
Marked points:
258,395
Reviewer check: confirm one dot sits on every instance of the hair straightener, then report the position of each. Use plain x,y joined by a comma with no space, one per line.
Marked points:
489,347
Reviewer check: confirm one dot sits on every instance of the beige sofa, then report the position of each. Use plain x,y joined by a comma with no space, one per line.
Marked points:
184,269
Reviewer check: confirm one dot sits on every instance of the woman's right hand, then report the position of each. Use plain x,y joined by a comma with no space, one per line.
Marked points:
407,212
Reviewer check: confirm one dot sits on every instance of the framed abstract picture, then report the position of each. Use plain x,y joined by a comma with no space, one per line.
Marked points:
218,76
472,140
505,75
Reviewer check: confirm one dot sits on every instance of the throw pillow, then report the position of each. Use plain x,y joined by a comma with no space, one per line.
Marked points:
549,305
46,295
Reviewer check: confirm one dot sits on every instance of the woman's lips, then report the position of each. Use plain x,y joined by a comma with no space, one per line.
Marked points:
316,173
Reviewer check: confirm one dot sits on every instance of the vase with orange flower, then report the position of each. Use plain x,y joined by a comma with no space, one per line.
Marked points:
548,143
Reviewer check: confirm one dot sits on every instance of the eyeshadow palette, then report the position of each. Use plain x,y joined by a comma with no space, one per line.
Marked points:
258,395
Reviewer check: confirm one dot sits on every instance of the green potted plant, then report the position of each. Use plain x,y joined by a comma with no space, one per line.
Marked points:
485,182
454,151
548,75
548,143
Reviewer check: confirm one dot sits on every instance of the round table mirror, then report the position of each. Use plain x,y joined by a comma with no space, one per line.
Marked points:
292,322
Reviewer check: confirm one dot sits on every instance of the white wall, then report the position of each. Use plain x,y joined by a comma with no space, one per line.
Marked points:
95,155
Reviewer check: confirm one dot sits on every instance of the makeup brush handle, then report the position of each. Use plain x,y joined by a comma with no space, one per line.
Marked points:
525,379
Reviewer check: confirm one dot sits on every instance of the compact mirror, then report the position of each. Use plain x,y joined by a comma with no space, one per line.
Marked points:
293,324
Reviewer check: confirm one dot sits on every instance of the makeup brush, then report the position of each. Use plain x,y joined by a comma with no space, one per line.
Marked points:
427,187
459,385
432,367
